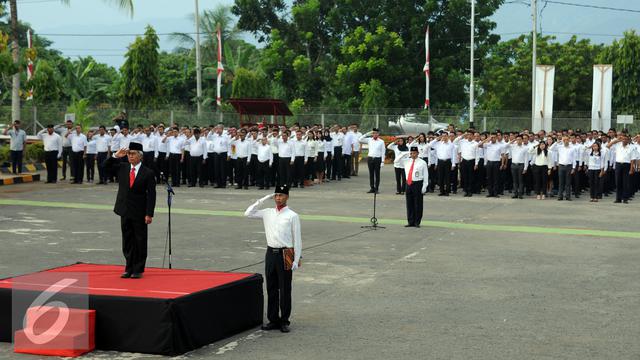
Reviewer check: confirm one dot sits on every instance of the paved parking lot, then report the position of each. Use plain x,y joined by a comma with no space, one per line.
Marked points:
482,279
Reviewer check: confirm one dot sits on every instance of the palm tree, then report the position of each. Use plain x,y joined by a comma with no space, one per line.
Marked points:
125,5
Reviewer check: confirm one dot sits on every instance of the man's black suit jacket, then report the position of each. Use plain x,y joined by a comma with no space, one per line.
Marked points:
138,201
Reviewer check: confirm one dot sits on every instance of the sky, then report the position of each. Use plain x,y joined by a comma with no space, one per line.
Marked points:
53,20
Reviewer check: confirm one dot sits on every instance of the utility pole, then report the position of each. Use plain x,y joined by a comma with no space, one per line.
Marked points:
198,64
534,13
471,87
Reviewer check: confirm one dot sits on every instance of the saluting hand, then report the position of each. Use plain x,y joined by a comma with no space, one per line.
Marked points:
121,153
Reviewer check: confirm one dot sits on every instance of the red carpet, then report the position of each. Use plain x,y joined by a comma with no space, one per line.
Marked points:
156,283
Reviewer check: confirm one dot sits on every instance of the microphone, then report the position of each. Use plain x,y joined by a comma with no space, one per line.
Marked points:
166,181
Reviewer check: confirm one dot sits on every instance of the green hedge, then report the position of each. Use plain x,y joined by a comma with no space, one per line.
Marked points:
4,154
35,152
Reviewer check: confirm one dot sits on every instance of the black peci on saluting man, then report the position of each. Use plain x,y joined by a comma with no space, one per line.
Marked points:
135,204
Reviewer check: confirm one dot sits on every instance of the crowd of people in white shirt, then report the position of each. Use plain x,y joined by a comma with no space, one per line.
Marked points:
561,164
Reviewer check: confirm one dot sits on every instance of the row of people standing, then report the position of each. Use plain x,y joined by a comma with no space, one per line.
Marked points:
559,163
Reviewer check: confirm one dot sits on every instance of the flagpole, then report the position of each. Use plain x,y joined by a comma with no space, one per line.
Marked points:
219,70
471,88
198,64
534,13
427,72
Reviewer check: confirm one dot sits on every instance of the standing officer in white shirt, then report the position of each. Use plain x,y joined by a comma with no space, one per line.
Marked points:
519,165
417,174
282,230
16,145
197,159
52,152
264,163
625,154
103,140
355,154
78,151
566,167
376,154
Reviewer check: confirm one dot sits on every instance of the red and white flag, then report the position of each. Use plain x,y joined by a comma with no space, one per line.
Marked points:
30,66
220,69
426,69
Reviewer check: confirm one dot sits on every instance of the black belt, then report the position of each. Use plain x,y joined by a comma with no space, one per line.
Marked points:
274,250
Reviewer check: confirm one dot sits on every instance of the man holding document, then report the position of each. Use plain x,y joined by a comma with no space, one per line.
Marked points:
284,248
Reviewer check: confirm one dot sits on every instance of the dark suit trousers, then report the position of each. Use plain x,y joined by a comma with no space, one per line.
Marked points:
161,165
66,160
210,170
414,203
77,165
102,171
273,172
623,181
493,172
337,163
134,244
242,178
50,159
195,170
444,176
174,169
284,171
374,172
262,173
298,165
466,175
220,167
278,287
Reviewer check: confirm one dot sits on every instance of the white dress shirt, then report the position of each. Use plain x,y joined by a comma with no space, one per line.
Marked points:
624,154
519,154
281,228
51,142
596,162
566,154
219,143
493,151
102,142
265,154
92,146
243,148
175,144
149,143
467,148
285,149
198,146
398,159
347,143
78,142
375,147
541,159
299,148
445,151
337,139
420,170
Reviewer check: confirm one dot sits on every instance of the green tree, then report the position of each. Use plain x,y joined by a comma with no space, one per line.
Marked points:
45,83
140,86
177,74
248,84
624,55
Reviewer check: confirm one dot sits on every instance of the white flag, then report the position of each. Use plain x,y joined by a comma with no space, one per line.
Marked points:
220,69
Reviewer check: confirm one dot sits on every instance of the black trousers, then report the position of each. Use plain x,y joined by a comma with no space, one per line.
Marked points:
210,169
337,163
401,180
66,160
273,172
284,171
51,161
102,171
540,179
231,170
480,177
623,181
161,165
253,169
174,168
148,159
195,170
444,176
77,166
134,244
278,287
595,184
262,174
493,173
298,170
328,161
242,177
184,167
374,172
220,166
505,182
310,169
90,164
433,175
577,181
467,175
414,203
564,181
16,161
346,168
517,178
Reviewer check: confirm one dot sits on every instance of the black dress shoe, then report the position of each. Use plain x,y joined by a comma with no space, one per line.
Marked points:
285,329
126,275
238,187
625,201
136,276
409,225
417,226
371,191
270,326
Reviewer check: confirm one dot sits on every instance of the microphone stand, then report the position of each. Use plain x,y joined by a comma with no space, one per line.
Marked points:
374,219
170,195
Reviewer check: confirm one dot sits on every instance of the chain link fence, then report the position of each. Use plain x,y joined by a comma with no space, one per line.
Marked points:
33,118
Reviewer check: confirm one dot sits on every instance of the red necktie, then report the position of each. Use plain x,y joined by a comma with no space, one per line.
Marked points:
132,176
410,177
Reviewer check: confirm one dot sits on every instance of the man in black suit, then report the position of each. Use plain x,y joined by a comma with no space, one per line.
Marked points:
135,204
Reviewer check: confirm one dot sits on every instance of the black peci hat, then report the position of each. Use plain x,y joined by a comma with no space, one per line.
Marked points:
135,146
284,189
414,148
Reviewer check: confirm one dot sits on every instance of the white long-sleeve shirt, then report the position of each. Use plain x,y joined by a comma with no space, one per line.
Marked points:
281,228
51,142
398,159
493,151
445,151
375,147
197,147
597,162
420,171
519,154
468,149
265,154
78,142
285,149
566,154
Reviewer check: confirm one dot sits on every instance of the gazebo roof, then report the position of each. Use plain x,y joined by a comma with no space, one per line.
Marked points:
261,107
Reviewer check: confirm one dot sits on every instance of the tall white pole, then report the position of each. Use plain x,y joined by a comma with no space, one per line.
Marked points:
471,88
198,65
534,13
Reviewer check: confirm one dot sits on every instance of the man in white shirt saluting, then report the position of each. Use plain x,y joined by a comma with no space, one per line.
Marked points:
284,249
416,171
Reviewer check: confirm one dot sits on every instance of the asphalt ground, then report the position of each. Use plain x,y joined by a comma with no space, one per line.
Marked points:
482,279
